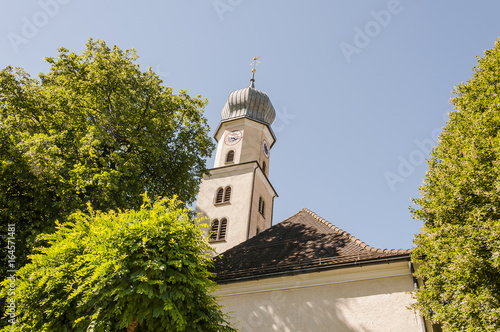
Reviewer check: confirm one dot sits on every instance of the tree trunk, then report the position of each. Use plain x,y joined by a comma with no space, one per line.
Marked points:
132,326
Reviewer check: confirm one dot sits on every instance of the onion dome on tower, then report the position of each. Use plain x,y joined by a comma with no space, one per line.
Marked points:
250,103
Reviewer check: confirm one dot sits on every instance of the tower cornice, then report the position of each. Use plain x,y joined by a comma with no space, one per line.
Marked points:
226,170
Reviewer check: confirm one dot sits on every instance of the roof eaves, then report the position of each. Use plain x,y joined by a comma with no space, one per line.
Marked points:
251,274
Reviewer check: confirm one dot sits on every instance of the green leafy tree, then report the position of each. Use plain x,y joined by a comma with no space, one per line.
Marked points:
458,250
94,129
145,270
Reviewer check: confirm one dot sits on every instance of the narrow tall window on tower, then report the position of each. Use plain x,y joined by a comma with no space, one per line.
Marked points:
219,196
227,194
261,206
230,156
264,167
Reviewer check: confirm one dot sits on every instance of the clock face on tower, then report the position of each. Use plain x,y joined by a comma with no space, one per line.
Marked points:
233,137
265,147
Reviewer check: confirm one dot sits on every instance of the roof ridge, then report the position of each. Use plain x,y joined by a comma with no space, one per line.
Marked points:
293,215
354,239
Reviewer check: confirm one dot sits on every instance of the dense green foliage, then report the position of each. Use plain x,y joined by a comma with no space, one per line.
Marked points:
458,250
94,129
107,270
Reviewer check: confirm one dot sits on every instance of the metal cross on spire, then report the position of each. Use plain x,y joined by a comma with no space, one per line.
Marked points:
254,64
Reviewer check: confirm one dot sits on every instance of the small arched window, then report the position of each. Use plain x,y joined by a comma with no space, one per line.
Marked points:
215,230
223,229
219,196
227,194
257,231
218,230
230,156
264,167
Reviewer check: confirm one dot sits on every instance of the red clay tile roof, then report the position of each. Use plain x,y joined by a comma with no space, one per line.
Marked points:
303,241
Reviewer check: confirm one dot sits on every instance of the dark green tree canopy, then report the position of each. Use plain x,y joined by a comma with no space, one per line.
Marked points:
146,270
458,249
94,129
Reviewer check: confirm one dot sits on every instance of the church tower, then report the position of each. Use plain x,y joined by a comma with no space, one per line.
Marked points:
237,195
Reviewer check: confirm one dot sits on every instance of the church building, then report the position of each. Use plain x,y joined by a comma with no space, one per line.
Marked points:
303,273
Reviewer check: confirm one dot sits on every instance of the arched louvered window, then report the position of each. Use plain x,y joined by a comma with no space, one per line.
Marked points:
227,194
215,230
219,196
218,230
230,156
223,229
264,167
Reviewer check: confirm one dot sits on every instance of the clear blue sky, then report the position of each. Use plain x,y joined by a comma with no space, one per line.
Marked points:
361,88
